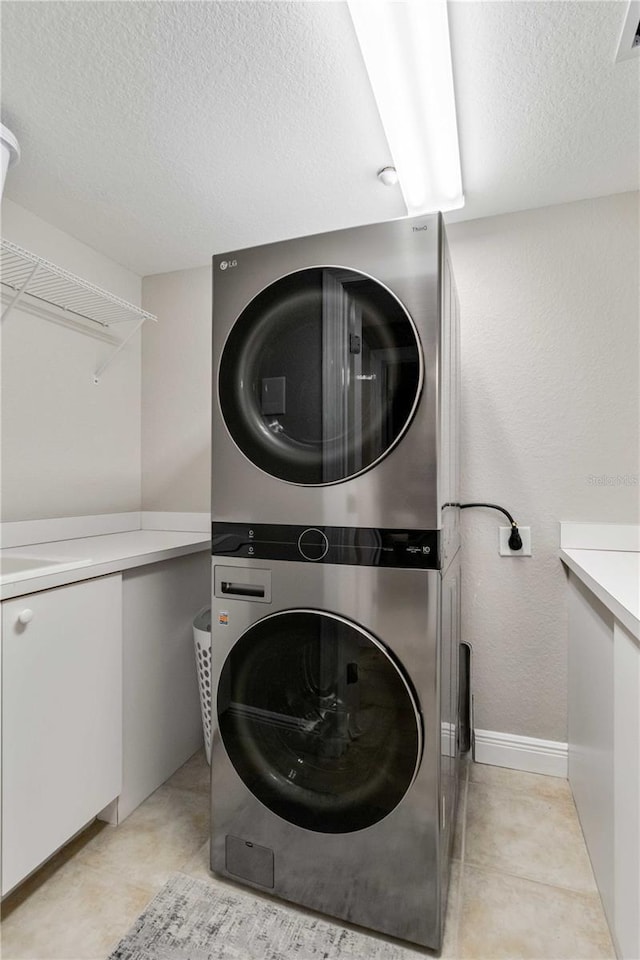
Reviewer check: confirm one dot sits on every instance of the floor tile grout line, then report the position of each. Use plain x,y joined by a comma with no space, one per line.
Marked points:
112,871
463,839
456,934
58,871
513,770
139,885
193,792
541,883
506,791
458,928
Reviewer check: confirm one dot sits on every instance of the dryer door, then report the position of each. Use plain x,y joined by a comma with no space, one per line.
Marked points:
320,375
319,721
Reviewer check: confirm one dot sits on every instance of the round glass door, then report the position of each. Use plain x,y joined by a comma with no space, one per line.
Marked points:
319,721
320,375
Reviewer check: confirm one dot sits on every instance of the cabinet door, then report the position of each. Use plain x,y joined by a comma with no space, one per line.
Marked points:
61,717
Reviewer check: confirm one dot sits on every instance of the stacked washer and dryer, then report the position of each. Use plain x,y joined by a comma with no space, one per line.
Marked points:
336,583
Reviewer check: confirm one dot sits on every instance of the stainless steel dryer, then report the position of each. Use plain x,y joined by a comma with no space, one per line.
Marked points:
334,759
332,363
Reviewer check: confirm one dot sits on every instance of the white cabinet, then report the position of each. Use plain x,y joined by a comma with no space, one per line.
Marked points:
61,717
604,756
162,723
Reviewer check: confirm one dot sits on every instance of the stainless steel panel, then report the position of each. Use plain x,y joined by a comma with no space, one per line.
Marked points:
241,583
448,456
448,649
403,255
349,875
249,861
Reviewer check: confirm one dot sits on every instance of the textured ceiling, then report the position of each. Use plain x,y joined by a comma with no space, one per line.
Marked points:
160,133
545,113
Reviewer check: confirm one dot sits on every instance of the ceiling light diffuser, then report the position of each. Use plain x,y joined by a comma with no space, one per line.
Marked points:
406,49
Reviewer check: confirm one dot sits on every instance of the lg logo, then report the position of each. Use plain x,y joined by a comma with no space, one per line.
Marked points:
415,229
228,264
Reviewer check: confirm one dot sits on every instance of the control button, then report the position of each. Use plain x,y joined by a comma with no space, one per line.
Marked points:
313,544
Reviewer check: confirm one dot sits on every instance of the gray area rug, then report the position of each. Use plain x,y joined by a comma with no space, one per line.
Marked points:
193,919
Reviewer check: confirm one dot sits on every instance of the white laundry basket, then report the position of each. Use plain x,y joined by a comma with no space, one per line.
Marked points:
202,643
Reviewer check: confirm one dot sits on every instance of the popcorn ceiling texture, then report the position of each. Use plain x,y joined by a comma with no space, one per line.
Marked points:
545,113
161,133
549,304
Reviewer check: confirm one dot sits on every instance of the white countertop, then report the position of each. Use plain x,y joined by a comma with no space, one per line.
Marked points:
614,577
88,557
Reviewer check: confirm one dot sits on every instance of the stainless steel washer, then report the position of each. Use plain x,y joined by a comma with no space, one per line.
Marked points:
334,758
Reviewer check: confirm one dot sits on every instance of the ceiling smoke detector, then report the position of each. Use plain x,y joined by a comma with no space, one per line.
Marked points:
388,176
629,45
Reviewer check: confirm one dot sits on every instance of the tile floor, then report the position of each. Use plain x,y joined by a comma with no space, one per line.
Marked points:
522,885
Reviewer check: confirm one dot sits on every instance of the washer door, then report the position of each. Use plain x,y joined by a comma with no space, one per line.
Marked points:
320,375
319,721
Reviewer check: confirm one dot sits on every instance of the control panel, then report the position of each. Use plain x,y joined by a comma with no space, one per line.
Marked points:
368,546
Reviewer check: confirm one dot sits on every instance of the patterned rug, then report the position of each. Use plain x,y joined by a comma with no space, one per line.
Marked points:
193,919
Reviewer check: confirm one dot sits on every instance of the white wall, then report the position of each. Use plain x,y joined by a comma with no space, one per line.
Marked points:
550,321
549,302
176,392
69,447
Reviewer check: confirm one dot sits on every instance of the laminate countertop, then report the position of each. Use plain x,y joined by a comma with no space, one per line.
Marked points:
88,557
614,577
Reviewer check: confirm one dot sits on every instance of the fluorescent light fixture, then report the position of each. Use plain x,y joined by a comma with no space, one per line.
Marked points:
406,49
628,45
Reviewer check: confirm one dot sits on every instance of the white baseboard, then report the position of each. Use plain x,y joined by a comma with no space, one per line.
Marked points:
549,757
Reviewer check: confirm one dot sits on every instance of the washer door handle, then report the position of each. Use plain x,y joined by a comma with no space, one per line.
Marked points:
241,589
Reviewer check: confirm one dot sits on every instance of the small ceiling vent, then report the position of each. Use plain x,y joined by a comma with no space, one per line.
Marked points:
629,45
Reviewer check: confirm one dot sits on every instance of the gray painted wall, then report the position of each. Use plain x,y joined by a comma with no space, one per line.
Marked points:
176,392
550,317
69,447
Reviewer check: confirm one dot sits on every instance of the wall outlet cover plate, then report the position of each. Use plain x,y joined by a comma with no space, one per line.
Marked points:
505,551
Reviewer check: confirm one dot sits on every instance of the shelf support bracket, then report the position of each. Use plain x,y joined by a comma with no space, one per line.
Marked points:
103,366
23,289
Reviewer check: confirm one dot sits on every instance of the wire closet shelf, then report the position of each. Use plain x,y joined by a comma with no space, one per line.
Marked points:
26,274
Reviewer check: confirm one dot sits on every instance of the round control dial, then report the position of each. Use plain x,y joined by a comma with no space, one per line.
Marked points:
313,544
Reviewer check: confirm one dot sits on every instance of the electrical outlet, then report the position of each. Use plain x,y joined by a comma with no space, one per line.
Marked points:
525,534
